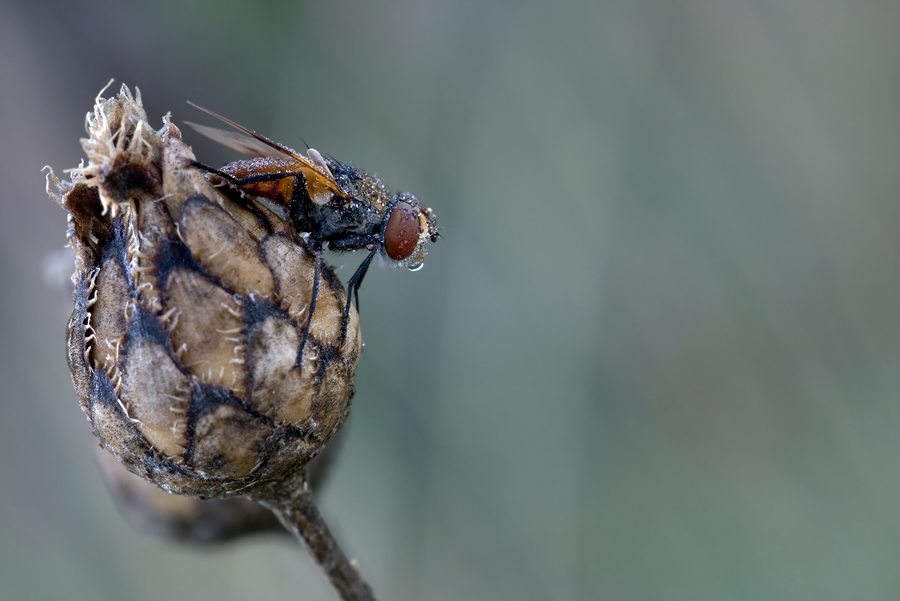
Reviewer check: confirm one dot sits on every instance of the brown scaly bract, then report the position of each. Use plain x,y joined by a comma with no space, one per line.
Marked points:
189,315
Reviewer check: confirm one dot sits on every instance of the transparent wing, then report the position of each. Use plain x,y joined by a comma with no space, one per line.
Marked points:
239,142
319,179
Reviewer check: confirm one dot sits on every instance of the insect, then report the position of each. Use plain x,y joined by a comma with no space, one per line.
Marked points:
331,203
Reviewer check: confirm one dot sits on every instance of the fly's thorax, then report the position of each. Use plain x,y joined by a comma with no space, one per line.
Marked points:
358,212
190,313
342,217
360,185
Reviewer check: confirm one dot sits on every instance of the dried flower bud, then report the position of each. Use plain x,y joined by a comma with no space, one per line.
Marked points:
190,308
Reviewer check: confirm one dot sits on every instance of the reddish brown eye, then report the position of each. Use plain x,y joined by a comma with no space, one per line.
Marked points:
402,232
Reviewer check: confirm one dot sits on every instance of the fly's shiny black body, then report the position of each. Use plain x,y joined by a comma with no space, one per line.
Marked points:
359,215
328,204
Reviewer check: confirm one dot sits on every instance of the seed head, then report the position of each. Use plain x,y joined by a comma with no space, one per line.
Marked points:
190,309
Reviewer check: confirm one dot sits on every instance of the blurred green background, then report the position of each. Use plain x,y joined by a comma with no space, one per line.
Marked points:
655,355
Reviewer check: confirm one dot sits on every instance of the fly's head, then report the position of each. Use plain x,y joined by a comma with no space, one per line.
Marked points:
408,228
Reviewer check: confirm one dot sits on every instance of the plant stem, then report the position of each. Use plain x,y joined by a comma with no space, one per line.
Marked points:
291,500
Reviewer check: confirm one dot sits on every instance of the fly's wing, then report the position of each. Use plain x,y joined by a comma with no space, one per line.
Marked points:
319,180
239,142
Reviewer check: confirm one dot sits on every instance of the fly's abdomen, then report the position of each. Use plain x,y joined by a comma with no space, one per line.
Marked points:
259,177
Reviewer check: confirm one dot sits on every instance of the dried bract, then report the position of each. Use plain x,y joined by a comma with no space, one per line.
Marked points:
190,308
184,519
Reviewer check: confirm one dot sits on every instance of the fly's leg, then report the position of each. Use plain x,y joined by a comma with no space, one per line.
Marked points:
317,269
239,182
353,289
229,178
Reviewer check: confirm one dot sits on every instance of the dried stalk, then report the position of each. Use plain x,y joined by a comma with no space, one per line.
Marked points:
291,500
193,345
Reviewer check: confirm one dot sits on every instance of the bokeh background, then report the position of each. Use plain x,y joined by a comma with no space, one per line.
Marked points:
655,355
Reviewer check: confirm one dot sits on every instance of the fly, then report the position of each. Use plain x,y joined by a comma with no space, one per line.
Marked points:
336,205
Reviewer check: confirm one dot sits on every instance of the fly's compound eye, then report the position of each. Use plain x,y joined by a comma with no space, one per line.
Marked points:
402,231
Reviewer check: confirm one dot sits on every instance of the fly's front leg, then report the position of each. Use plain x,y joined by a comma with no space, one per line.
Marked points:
353,288
373,243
